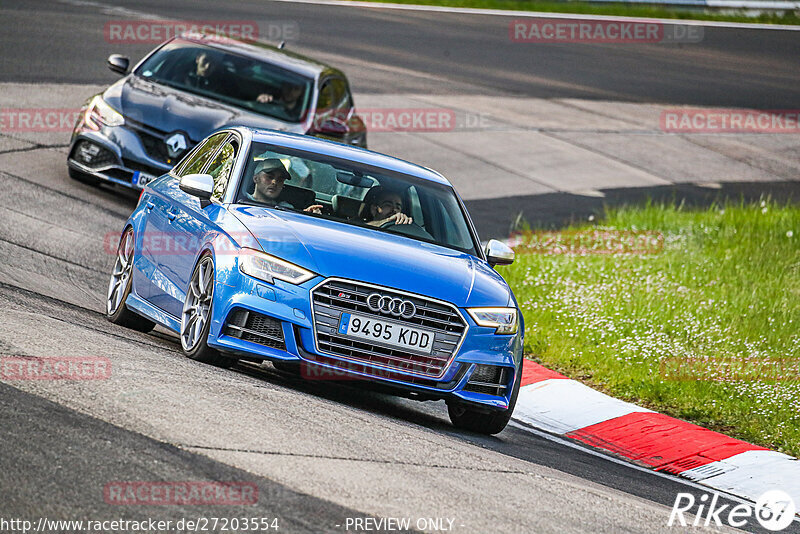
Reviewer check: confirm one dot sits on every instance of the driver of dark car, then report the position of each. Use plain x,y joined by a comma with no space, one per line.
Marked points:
209,76
204,75
384,206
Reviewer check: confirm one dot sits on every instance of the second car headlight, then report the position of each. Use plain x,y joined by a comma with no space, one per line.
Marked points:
100,112
265,267
503,319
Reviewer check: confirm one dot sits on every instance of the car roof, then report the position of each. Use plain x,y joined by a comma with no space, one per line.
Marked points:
324,147
264,52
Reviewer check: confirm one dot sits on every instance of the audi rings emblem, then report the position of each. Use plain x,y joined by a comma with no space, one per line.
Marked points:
394,306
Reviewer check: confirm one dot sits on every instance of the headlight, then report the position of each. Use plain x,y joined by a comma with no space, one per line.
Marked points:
267,268
99,112
503,319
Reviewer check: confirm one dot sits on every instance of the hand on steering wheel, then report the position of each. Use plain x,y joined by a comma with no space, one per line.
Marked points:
397,218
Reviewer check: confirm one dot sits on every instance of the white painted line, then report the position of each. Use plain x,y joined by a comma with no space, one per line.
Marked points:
538,14
752,473
573,445
561,406
578,446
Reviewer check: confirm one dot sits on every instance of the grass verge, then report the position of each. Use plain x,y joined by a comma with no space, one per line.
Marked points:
705,330
621,9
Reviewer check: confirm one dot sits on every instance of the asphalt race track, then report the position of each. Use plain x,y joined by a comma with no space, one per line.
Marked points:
730,67
319,453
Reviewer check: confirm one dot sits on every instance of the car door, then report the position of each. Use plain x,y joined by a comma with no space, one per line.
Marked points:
161,249
192,224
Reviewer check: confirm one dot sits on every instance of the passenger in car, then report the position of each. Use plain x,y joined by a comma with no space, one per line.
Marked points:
383,206
269,177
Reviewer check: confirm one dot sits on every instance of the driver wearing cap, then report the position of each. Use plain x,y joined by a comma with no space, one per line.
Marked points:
269,176
384,206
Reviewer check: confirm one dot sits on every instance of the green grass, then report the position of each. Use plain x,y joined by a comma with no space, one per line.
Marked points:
725,288
606,9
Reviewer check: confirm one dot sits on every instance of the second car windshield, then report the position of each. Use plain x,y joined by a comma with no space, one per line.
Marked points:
355,194
244,82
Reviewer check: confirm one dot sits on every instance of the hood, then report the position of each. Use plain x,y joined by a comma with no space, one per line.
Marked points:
331,248
169,110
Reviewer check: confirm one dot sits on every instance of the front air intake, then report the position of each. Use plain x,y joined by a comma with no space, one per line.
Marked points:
489,380
255,327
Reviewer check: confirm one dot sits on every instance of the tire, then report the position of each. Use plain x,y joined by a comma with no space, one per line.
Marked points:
196,316
465,417
119,287
82,177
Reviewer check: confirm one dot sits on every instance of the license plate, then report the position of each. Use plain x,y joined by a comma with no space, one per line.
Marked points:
141,179
386,333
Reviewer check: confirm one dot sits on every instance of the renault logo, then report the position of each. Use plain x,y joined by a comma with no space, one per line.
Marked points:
391,306
176,143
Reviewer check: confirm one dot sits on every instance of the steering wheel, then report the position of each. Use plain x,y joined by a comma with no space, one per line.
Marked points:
411,230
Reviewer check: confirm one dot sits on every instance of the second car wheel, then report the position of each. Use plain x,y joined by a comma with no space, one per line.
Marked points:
120,287
196,316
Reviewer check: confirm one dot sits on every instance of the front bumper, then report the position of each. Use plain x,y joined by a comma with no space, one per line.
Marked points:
114,154
480,354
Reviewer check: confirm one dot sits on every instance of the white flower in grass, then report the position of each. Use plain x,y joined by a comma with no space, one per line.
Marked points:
789,233
764,210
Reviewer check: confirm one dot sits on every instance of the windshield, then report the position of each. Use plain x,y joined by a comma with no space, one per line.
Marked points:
243,82
355,194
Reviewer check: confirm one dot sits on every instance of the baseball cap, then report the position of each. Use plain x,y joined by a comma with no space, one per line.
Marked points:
270,165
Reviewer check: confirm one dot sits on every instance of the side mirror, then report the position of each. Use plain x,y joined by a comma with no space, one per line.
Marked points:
118,64
498,253
198,185
335,127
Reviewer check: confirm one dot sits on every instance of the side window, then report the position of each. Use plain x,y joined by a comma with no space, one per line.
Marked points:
200,157
220,168
325,97
333,96
414,209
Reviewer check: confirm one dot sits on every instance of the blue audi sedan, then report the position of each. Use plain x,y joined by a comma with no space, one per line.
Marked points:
325,259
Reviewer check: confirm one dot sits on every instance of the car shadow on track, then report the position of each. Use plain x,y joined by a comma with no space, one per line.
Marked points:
361,395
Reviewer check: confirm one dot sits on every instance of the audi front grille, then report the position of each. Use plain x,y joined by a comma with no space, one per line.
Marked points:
334,297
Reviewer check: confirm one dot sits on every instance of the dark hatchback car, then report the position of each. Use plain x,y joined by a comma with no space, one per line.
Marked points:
141,126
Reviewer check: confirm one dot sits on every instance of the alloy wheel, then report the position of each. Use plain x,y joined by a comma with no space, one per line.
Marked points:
197,307
121,275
